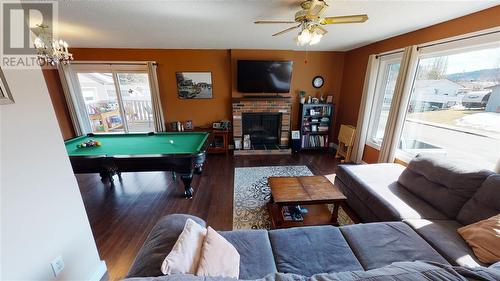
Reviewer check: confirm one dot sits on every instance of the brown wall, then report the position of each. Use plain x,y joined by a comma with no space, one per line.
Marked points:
201,111
343,72
356,60
59,103
306,65
220,63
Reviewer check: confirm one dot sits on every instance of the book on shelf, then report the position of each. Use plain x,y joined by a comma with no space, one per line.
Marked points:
320,110
316,125
314,141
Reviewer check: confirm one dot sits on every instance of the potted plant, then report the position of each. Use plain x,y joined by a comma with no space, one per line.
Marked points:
302,97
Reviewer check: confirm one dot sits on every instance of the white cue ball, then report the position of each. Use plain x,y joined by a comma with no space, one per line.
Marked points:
171,141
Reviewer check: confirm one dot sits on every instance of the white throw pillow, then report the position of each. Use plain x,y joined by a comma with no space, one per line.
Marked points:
185,255
219,258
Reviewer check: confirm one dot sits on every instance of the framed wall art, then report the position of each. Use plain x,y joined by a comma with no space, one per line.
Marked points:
194,85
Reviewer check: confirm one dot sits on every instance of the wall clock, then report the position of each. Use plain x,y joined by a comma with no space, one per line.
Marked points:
318,82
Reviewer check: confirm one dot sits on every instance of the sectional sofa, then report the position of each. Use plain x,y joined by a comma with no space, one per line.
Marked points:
406,236
433,196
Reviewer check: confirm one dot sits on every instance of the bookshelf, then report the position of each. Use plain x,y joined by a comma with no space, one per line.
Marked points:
315,125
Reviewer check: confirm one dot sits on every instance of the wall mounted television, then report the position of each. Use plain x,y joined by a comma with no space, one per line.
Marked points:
255,76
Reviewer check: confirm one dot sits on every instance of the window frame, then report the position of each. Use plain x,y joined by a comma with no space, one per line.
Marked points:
114,69
439,50
378,98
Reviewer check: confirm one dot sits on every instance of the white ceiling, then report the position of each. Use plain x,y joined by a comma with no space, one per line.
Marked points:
228,24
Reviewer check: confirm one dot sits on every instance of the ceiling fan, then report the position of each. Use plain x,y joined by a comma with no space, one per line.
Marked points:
309,20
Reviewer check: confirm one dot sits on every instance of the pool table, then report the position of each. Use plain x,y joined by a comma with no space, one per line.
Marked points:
179,152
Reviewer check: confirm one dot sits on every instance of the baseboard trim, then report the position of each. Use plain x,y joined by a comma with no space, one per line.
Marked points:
99,272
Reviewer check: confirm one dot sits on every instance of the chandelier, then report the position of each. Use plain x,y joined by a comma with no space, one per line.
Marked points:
50,51
309,35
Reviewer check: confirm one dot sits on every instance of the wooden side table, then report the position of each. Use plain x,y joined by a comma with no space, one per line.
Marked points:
314,191
219,139
220,142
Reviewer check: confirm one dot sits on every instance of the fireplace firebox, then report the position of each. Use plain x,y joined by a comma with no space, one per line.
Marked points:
264,128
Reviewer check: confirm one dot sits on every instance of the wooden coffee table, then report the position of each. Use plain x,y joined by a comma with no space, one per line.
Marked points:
314,191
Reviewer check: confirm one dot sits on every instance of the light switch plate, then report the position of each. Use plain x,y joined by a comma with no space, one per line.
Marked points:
57,265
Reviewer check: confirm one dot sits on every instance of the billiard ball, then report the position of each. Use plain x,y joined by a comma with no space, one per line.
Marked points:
171,141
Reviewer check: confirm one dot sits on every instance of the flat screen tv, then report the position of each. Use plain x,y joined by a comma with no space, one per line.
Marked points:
264,76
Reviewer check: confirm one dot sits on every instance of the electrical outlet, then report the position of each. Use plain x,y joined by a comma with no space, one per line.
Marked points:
57,265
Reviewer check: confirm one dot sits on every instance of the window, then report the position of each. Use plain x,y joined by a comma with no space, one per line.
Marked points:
387,75
136,97
113,98
454,106
89,93
103,111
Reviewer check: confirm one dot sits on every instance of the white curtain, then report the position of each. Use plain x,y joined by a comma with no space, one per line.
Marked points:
365,109
155,96
69,88
397,113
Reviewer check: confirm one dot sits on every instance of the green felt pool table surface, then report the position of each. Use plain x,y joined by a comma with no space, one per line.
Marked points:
139,144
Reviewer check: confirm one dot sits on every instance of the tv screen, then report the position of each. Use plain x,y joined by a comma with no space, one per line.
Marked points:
264,76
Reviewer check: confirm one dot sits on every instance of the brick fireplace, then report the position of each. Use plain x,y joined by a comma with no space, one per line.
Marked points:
254,107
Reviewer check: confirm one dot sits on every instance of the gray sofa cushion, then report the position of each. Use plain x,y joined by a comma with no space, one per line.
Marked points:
310,250
158,244
374,193
254,247
399,271
484,204
443,236
380,244
443,183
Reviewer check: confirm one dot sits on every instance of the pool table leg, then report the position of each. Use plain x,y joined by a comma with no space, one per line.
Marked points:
106,176
188,190
198,168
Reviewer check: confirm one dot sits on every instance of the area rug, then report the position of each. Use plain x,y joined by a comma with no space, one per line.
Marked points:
251,193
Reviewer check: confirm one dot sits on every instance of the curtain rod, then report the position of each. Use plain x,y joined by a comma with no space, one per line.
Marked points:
388,53
426,45
457,39
114,63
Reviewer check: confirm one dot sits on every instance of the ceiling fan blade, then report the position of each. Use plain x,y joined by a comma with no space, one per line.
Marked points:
273,21
287,30
345,19
316,9
321,29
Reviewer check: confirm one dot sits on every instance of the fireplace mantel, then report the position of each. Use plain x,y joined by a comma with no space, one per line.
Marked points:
260,98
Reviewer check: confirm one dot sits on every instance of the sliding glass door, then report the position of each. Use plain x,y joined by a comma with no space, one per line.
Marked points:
103,109
114,99
454,107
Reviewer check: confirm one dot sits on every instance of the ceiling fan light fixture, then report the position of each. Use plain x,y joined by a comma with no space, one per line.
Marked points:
310,22
304,37
315,38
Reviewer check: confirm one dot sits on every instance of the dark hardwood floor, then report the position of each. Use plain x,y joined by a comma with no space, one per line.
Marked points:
121,217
